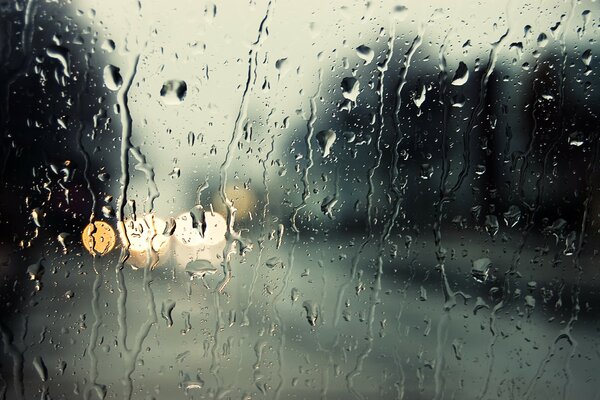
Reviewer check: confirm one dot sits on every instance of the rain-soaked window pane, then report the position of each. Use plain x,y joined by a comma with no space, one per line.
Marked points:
274,199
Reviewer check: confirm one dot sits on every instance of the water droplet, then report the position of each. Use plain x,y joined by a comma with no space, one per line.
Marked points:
61,122
426,171
529,301
586,57
62,55
547,97
491,225
175,173
108,45
191,384
457,347
326,139
112,77
419,97
556,228
40,367
283,66
350,88
350,137
62,366
570,243
173,92
461,76
458,100
274,262
166,311
312,312
38,214
103,177
295,294
480,269
190,235
62,239
512,216
479,304
365,53
327,205
199,269
279,235
576,138
36,271
170,227
532,285
108,212
198,217
422,294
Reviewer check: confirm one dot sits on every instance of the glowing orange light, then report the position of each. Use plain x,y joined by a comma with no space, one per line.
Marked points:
98,238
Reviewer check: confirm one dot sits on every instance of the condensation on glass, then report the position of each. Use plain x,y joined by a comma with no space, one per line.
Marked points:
299,200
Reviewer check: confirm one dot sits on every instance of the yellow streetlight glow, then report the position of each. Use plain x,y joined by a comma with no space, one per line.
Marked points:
98,238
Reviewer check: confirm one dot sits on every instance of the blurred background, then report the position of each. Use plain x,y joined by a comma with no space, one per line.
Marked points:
298,200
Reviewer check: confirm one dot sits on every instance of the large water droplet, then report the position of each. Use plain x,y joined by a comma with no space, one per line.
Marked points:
274,262
312,312
108,45
512,216
365,53
283,66
40,367
480,269
491,225
461,76
586,57
61,54
173,92
419,97
112,77
350,88
38,214
326,139
36,271
200,268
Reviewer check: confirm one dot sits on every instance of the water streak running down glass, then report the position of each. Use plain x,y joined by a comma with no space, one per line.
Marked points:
299,200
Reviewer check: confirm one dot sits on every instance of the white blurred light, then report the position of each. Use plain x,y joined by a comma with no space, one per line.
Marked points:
191,245
148,245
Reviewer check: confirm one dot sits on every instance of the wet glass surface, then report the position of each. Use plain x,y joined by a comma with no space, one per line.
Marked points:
299,200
